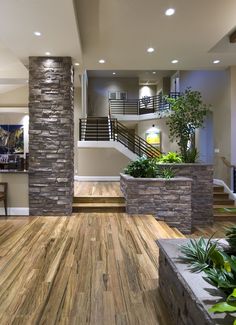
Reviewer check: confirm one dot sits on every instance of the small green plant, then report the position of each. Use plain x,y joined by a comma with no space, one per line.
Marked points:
142,167
166,172
191,155
231,239
197,253
170,158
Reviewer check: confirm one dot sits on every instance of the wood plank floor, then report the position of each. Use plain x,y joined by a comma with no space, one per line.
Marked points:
85,269
97,189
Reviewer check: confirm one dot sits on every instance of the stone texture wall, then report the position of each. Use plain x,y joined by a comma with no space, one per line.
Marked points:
202,191
187,295
51,143
169,200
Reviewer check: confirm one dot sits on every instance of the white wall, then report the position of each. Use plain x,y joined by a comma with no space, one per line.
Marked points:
215,89
98,89
147,91
166,145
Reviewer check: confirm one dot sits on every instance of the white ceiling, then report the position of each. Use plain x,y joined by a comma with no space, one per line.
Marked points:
118,31
121,31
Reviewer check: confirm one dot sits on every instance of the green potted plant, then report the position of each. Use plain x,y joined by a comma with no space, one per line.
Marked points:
188,114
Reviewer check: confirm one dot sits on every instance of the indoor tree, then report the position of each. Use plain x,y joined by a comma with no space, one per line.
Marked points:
188,114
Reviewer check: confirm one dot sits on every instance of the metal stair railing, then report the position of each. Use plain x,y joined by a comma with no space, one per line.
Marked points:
102,129
145,105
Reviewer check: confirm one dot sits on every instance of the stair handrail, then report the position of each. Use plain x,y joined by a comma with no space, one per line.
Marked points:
233,172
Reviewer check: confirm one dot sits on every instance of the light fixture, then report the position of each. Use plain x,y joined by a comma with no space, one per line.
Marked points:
114,73
150,50
47,53
174,61
37,33
102,61
77,64
154,72
170,12
216,61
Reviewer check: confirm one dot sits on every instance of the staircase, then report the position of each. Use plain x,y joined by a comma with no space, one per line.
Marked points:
96,129
89,204
108,129
224,208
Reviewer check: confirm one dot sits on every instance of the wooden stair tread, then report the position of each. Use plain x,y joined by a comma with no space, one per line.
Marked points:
99,199
218,206
99,205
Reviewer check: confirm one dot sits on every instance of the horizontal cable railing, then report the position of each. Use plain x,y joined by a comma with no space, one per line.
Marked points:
145,105
106,129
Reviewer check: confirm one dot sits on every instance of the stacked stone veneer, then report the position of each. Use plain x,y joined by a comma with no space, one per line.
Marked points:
169,200
51,143
201,195
202,190
187,295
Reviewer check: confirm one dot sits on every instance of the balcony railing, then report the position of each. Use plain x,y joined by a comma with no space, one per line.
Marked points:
145,105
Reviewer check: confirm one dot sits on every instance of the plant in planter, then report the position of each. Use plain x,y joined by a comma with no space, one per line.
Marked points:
219,268
188,115
170,158
148,168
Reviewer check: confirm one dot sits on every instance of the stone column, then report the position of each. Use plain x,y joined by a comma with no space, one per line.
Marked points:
51,143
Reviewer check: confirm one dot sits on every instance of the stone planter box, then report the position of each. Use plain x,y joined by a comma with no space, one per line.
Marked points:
168,199
186,294
202,190
201,197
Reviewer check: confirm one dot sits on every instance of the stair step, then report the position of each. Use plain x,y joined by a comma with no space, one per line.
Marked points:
217,206
223,202
219,195
218,188
99,199
224,217
99,207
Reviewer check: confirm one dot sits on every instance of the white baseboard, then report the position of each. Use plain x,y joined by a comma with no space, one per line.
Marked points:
15,211
97,178
227,189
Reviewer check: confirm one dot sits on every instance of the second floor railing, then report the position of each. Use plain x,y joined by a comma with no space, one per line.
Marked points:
145,105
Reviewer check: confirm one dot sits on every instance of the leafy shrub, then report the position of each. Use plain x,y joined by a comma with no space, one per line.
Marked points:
148,168
166,172
231,239
142,167
191,155
197,253
170,158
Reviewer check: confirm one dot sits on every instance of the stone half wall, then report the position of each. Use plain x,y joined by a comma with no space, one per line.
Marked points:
51,140
169,200
202,190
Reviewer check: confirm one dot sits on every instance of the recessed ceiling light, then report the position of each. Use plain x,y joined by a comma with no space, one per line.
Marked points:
47,53
77,64
37,33
174,61
170,12
113,73
150,50
102,61
154,72
216,61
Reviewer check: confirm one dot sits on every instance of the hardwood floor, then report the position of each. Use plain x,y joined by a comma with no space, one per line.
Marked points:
85,269
88,269
97,189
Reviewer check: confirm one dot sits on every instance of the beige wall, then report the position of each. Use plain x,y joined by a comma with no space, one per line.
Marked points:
98,89
77,116
233,113
166,145
215,89
17,189
100,162
16,97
